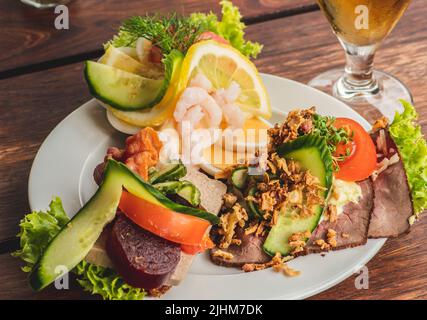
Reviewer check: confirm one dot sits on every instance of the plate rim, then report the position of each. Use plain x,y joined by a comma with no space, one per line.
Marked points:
312,290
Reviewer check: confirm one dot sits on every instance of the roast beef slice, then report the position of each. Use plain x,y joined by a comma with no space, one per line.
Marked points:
392,203
392,198
249,251
351,225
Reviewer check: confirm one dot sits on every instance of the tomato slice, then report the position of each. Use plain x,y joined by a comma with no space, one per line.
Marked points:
362,160
205,244
168,224
345,149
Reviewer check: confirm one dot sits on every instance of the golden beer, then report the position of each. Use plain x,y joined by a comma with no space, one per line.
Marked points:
363,22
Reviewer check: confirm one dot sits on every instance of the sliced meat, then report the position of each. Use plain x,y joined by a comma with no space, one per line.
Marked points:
353,223
211,190
392,203
181,269
211,193
143,259
392,196
249,251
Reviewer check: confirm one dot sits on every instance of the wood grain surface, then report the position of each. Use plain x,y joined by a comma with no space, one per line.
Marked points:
15,284
296,47
28,35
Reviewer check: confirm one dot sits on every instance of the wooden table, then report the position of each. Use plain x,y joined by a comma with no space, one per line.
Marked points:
41,83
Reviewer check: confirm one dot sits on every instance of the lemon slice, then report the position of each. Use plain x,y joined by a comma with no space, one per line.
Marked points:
222,64
153,117
117,58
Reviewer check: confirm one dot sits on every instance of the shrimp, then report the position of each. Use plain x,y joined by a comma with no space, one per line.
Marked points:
226,98
201,81
233,115
233,92
192,97
194,115
190,137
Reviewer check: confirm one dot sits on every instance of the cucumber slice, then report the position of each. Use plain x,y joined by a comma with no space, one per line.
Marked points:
189,192
312,152
142,189
158,114
169,172
185,189
239,177
169,187
78,236
253,207
287,224
121,89
128,91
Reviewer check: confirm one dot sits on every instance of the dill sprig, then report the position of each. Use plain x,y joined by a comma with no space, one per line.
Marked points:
168,32
175,31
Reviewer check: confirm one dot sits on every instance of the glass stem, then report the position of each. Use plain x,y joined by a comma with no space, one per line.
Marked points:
359,73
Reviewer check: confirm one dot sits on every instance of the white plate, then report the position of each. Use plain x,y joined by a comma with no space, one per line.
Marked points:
64,164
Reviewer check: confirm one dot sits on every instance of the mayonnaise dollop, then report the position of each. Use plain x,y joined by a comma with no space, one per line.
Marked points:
344,192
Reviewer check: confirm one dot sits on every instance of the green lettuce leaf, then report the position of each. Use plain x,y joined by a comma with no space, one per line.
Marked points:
230,28
38,228
412,146
36,231
106,282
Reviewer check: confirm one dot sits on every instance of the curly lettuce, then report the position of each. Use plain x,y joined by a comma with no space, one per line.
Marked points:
105,282
38,228
412,146
230,27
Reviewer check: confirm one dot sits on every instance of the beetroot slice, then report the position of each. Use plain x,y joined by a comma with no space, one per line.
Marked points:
143,259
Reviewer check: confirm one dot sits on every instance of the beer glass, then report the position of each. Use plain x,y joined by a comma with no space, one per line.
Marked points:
360,26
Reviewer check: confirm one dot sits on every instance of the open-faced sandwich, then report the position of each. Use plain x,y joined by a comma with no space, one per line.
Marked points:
326,184
203,170
159,76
